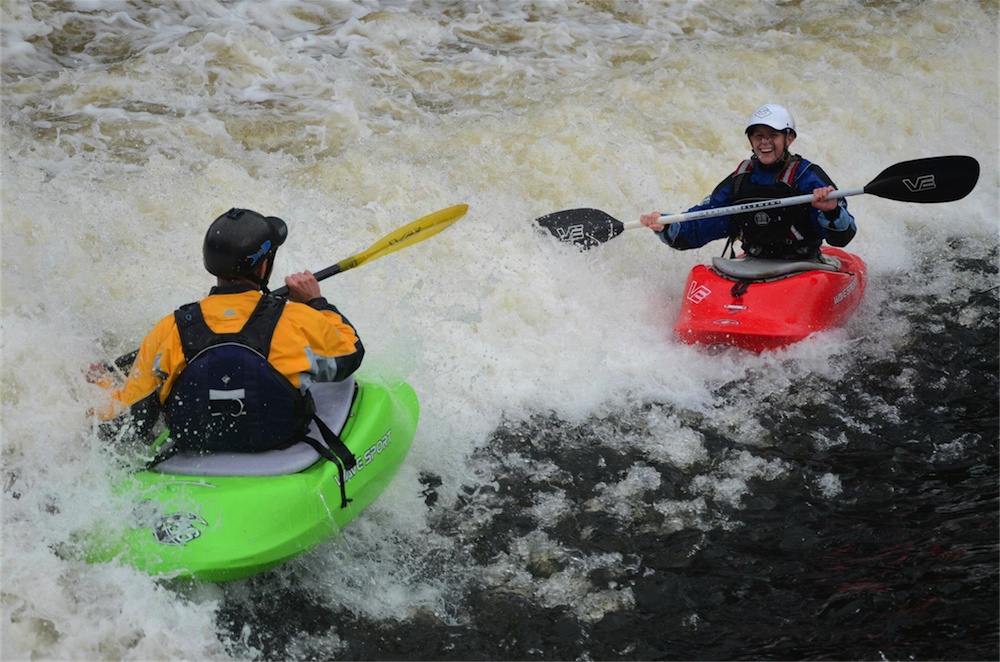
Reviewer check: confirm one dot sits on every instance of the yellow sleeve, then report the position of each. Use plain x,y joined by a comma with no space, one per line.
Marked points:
319,344
155,362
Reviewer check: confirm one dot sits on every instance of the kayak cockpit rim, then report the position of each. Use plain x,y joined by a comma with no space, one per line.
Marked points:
756,269
333,400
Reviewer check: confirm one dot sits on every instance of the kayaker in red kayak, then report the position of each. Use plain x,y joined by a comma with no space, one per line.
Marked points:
232,372
793,233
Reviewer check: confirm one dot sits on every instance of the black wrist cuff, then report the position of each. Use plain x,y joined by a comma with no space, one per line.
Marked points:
319,303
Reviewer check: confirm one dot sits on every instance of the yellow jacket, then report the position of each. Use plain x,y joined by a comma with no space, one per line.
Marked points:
311,343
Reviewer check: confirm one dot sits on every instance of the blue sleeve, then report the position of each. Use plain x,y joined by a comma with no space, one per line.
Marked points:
695,234
838,228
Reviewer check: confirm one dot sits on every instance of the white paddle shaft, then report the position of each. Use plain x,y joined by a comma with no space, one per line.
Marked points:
667,219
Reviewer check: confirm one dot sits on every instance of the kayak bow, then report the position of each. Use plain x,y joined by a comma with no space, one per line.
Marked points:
761,305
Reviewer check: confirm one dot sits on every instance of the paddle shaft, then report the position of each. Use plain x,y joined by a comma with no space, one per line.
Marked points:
323,274
933,179
668,219
806,198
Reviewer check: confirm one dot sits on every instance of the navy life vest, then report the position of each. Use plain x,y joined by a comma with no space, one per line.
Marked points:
776,233
229,398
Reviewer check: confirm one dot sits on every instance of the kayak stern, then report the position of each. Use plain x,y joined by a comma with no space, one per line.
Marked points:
222,528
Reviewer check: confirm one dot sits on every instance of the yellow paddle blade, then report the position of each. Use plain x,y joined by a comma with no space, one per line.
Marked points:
409,234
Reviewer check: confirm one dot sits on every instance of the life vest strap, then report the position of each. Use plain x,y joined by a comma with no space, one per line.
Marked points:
256,334
335,450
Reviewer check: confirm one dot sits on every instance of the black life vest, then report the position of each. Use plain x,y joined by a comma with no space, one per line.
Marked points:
776,233
229,398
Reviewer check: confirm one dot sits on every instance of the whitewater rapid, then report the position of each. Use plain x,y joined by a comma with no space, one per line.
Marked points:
128,126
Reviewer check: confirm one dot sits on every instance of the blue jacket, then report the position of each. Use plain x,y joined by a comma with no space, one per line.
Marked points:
837,231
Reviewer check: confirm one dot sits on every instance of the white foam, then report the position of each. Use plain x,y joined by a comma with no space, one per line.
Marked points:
126,135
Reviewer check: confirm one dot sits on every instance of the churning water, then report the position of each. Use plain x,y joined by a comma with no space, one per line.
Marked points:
581,485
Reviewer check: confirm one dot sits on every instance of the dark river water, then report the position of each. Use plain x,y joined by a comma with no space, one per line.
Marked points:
902,564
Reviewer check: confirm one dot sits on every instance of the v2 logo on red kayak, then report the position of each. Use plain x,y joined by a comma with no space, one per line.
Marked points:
697,293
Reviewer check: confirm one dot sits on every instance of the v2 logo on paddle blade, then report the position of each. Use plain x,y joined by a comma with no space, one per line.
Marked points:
573,233
922,183
935,179
584,227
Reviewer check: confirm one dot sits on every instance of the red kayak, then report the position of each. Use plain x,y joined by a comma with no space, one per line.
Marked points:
757,304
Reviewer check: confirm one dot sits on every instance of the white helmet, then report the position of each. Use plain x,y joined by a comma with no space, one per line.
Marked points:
774,116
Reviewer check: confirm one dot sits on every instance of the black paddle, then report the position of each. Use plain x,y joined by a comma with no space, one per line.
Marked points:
411,233
934,179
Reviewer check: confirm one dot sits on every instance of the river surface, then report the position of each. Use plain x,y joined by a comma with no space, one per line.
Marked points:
581,486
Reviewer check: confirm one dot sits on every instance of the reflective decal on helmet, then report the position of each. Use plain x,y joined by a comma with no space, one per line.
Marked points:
237,241
264,249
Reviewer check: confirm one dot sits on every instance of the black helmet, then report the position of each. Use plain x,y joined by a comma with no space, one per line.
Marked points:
238,240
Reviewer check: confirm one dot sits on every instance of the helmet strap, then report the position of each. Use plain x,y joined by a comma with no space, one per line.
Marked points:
261,280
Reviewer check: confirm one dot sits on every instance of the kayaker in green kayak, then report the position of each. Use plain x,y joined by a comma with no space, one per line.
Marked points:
232,372
792,233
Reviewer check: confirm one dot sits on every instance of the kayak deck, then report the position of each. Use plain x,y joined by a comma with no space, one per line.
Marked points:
221,528
769,305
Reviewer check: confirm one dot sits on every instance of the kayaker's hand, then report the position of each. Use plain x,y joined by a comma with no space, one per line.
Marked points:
820,200
652,221
302,287
104,375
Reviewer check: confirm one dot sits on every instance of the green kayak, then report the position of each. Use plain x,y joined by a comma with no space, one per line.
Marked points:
228,516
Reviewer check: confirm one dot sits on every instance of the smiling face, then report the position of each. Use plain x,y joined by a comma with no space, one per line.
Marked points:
768,144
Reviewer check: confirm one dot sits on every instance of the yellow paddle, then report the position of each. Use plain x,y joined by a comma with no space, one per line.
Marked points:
409,234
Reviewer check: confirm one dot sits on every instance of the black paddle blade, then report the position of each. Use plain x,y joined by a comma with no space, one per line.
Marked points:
934,179
584,227
125,361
